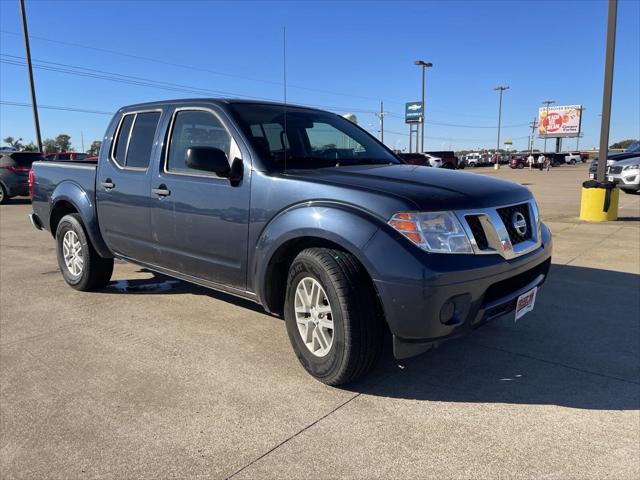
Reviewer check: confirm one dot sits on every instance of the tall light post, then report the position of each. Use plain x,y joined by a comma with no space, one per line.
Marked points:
501,89
546,123
424,65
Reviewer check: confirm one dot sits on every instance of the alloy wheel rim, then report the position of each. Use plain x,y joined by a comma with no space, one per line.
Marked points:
72,253
314,316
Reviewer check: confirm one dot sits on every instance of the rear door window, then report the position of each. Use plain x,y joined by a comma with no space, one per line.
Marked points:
135,140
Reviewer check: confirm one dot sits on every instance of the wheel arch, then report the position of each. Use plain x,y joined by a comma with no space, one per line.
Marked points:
279,244
68,197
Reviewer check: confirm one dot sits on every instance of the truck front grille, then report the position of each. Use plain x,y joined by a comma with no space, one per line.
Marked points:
507,215
478,232
509,231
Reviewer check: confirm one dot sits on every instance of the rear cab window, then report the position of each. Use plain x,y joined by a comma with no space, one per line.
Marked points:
134,140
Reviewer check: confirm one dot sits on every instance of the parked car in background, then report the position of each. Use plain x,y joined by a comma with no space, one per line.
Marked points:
65,156
343,242
449,159
14,173
631,151
572,158
519,162
421,159
626,174
584,156
473,160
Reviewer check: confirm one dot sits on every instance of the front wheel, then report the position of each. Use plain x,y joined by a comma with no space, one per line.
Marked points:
332,316
80,264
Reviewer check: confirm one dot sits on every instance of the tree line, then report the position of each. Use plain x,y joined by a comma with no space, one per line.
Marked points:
61,143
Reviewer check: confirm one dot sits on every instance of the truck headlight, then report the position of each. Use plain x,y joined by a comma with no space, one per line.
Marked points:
436,232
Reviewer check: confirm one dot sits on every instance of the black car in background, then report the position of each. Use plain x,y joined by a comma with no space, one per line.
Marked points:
14,173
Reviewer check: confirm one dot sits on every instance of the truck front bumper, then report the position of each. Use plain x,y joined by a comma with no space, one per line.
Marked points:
422,313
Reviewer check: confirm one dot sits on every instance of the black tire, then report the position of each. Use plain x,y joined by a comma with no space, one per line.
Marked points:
96,271
520,166
4,196
631,192
572,162
357,318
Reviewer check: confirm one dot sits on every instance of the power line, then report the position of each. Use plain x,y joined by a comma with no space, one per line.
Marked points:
55,107
195,68
176,87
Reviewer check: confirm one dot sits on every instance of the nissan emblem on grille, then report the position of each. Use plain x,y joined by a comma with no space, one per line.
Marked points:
519,223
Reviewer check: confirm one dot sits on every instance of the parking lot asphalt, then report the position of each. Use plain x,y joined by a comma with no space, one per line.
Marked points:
156,378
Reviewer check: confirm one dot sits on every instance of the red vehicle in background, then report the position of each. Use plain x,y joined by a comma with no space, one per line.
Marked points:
65,156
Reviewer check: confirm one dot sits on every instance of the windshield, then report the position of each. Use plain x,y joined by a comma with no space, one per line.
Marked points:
313,138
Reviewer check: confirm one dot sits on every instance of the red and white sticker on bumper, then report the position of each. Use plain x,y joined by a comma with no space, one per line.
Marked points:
526,302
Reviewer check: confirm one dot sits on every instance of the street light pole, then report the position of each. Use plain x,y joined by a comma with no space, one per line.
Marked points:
546,123
500,89
424,65
32,87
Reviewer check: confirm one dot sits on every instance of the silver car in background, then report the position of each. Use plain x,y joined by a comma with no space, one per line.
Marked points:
626,174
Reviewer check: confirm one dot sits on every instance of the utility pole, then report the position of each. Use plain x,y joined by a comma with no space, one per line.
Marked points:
32,87
424,65
380,116
533,126
546,123
82,140
500,89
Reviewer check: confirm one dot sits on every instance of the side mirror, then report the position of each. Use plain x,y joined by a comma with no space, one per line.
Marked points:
208,159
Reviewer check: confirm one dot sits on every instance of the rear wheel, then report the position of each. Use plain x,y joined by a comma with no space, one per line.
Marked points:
572,162
332,316
80,264
520,166
4,197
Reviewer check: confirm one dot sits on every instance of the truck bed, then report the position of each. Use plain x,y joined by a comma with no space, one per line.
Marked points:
75,175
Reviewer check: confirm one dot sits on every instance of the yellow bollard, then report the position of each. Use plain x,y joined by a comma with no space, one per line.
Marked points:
593,203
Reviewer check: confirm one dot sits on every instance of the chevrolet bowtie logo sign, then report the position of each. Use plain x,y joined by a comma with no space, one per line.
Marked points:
413,112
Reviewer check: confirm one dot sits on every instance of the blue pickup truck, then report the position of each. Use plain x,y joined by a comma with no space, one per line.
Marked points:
305,213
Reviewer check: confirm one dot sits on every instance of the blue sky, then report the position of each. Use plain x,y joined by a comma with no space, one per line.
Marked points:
344,55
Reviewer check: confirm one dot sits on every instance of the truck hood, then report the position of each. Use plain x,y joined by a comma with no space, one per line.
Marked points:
428,189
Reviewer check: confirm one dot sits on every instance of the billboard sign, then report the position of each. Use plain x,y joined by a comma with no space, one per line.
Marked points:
413,112
559,121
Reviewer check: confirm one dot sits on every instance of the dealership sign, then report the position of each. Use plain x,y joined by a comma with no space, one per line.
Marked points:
561,121
413,112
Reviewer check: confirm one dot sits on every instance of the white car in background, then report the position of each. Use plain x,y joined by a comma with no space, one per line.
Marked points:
473,160
434,161
571,158
626,175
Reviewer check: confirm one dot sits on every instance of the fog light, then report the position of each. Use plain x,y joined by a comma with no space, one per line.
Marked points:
455,310
447,311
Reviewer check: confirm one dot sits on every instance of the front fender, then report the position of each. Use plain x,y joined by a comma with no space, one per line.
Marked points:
71,192
345,226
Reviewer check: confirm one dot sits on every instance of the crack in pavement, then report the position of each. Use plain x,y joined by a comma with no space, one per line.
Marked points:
291,437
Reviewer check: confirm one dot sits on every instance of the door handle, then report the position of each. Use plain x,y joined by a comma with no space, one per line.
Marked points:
161,191
108,184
